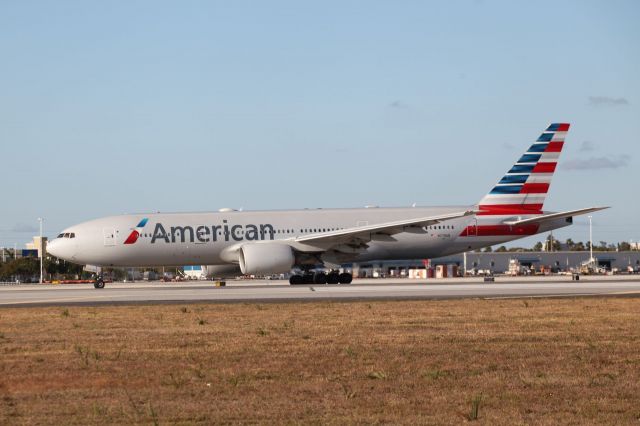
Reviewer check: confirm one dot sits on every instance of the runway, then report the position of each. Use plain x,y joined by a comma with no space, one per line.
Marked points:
265,291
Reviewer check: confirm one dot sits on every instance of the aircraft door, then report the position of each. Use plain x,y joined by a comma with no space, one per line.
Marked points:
472,227
109,236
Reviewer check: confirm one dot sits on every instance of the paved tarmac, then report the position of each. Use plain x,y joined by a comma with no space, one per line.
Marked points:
265,291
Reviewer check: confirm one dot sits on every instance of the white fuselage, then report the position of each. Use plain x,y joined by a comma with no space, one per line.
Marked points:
175,239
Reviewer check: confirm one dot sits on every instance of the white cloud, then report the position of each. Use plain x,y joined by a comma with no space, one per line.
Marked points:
607,101
587,146
398,104
596,163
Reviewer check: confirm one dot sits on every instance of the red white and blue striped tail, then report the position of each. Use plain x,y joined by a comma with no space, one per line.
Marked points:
523,189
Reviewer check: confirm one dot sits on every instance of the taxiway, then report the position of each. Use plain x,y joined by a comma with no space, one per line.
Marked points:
263,291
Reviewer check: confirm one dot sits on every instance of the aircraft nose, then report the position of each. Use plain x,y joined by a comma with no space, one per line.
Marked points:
53,247
61,249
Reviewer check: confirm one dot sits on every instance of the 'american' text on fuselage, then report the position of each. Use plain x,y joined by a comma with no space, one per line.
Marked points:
205,234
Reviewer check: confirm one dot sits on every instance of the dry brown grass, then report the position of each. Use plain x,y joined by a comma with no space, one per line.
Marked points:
526,361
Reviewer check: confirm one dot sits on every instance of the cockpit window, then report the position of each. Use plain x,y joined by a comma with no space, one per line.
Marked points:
60,235
72,235
67,235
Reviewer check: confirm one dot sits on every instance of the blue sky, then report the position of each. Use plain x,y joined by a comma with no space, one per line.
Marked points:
116,107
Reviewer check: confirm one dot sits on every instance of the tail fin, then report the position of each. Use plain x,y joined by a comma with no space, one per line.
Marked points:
523,189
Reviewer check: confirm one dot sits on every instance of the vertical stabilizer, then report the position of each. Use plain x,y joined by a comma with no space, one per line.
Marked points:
523,189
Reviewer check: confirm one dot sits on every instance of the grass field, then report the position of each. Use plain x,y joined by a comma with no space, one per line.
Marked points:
569,361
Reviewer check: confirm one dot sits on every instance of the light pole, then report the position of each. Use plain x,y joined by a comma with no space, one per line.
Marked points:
464,264
590,240
41,252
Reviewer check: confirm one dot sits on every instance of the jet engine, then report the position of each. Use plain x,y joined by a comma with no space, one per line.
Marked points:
265,259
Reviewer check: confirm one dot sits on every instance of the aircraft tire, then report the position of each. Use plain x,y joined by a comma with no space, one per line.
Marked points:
98,283
332,278
345,278
307,279
320,278
295,279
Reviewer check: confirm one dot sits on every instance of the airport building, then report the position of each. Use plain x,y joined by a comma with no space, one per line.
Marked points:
39,246
499,262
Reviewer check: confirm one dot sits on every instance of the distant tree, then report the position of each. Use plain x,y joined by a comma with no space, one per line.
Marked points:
61,269
501,249
23,268
624,246
537,246
570,244
488,249
579,246
551,244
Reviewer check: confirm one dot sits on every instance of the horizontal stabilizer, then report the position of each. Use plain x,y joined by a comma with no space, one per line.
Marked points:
552,216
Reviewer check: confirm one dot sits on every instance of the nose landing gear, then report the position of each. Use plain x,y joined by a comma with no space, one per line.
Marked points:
98,282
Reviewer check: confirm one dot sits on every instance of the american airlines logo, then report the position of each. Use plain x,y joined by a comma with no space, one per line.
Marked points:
135,234
204,233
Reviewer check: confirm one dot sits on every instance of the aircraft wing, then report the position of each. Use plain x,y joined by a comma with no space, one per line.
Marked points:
552,216
368,232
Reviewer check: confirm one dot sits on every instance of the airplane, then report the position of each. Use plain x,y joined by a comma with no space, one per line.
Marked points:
310,241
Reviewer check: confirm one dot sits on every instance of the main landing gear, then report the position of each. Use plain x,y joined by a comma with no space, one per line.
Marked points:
321,278
98,282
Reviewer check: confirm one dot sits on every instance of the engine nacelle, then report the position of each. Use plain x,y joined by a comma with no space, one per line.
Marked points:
266,259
